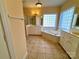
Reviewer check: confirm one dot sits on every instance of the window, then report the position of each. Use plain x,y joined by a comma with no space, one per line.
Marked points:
66,19
49,20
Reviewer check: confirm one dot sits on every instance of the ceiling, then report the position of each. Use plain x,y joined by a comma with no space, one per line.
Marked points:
46,3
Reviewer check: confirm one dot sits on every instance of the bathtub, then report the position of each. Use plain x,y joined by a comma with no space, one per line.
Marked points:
52,35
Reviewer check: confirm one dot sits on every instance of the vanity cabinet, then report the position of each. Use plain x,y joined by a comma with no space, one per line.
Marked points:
70,43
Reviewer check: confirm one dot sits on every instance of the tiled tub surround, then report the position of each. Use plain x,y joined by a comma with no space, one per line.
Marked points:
51,34
70,43
52,37
40,48
51,30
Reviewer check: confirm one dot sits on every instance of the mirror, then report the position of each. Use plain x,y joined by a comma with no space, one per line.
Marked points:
33,20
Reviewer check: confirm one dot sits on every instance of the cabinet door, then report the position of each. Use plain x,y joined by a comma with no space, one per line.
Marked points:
73,44
62,38
70,43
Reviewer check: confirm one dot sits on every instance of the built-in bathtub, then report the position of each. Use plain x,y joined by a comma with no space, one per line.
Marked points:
51,34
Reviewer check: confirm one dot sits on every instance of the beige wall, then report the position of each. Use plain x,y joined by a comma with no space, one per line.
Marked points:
69,4
31,11
43,10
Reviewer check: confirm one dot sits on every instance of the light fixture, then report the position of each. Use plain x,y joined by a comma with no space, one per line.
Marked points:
38,4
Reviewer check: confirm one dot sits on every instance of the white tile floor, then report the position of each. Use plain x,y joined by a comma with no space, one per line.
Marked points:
40,48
